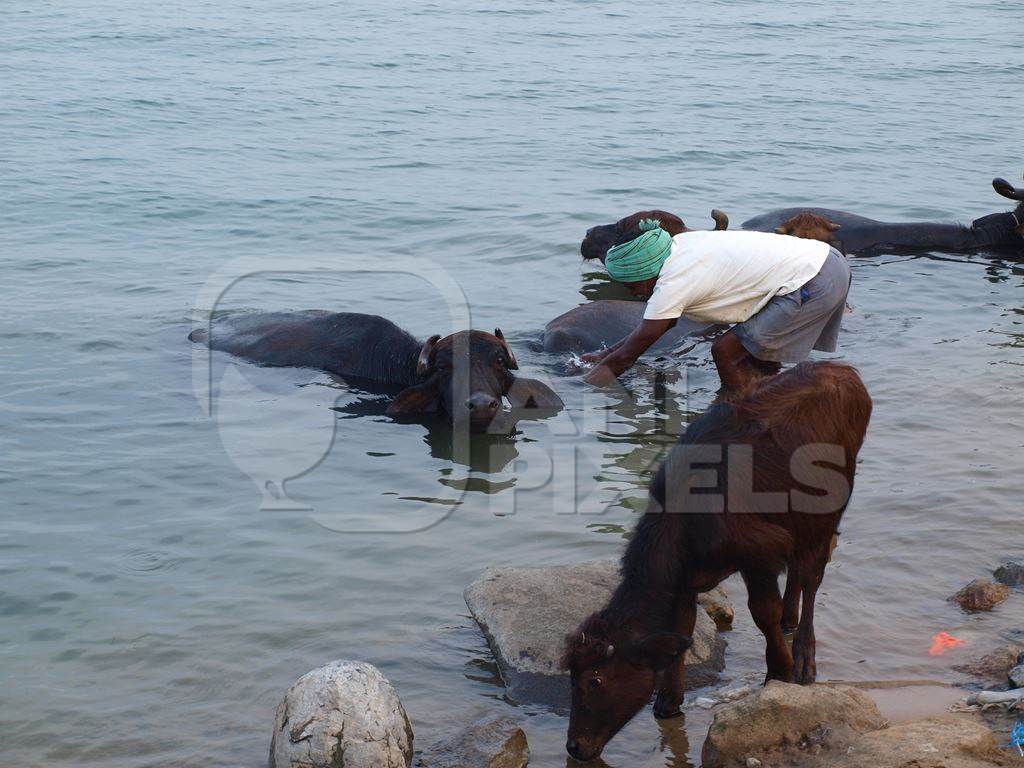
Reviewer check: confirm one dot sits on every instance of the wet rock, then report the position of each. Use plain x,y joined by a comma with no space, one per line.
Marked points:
495,743
994,665
1016,676
716,603
981,595
1010,573
343,714
782,714
525,614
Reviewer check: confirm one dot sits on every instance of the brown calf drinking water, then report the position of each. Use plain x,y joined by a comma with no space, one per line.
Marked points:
756,485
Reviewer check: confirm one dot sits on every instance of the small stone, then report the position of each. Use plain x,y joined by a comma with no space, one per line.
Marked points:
1017,676
495,743
344,713
753,762
994,665
716,603
1010,573
981,595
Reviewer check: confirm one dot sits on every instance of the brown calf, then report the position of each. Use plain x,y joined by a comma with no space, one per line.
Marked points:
756,485
809,226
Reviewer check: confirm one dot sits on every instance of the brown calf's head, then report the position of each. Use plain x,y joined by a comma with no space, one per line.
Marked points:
612,675
809,226
600,238
466,375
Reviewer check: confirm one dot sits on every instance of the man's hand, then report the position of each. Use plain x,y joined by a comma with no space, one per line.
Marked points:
621,357
596,357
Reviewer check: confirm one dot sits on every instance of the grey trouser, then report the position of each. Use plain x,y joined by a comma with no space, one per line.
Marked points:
788,327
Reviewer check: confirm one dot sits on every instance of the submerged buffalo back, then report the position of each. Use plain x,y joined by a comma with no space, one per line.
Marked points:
348,344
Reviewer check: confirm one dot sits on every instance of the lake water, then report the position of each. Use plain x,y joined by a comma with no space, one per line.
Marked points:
155,608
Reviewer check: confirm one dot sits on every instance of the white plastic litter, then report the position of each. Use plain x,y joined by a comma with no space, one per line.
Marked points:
988,699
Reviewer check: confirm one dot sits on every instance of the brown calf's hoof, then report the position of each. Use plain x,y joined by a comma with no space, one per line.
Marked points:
804,671
666,713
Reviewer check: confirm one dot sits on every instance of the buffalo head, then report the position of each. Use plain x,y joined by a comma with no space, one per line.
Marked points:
600,238
466,375
613,675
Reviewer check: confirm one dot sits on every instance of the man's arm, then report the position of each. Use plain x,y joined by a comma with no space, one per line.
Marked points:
625,353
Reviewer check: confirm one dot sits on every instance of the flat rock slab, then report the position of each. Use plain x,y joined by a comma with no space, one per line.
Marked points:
525,614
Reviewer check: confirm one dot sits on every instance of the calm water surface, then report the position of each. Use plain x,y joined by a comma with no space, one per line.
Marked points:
155,609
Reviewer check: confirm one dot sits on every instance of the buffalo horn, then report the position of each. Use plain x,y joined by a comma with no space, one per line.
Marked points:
1006,189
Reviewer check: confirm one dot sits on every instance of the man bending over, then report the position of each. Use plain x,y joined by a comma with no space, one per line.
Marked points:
784,296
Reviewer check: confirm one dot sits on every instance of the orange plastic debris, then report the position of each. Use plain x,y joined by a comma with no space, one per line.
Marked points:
943,642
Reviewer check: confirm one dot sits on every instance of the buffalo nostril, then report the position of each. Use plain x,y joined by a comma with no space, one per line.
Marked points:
482,403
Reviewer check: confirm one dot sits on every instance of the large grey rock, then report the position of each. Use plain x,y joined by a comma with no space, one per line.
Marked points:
495,743
782,714
345,714
525,614
981,595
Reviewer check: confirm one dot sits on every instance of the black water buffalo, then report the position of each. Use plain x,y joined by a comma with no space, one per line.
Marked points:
855,234
464,375
602,323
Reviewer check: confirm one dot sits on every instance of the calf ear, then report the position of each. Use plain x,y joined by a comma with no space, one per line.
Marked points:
662,648
531,393
414,401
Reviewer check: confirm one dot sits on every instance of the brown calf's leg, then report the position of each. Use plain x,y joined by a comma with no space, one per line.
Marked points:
791,600
736,366
765,604
804,647
673,678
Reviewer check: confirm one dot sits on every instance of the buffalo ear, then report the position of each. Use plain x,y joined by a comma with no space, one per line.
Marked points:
531,393
414,401
662,648
426,354
510,359
832,226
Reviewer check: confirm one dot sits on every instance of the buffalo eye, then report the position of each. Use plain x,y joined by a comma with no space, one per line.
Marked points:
594,683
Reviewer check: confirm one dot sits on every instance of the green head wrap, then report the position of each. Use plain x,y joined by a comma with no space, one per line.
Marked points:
641,258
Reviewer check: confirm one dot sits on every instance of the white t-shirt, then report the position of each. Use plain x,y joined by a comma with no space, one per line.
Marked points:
725,277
